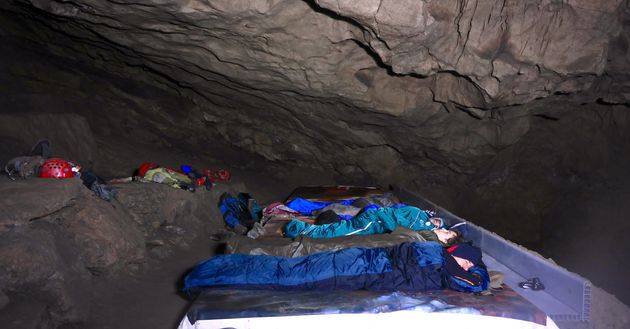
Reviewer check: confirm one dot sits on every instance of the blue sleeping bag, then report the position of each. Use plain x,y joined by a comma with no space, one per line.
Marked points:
307,206
411,266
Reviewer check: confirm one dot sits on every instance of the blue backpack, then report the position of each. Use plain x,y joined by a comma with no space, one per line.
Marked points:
234,211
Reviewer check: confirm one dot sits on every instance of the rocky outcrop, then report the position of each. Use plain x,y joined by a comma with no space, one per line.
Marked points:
57,238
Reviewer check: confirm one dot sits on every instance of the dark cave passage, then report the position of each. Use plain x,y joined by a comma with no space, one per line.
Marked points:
533,144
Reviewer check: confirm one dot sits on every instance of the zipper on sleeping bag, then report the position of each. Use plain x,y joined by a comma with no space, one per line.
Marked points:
360,230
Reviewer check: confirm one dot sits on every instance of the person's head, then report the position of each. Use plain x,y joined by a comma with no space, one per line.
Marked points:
437,222
448,237
465,255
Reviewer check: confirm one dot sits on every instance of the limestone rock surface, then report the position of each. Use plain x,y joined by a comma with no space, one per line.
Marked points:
57,238
332,80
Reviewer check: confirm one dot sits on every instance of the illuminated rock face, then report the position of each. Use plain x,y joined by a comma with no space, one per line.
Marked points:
421,93
393,78
506,52
498,110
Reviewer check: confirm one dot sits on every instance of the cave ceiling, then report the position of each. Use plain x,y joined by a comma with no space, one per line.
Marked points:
376,87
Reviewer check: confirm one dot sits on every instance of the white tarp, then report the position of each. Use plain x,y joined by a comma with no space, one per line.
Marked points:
398,319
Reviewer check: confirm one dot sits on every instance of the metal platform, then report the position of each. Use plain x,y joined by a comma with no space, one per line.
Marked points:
567,296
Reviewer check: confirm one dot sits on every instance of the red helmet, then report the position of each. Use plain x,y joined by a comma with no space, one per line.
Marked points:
58,168
221,175
146,167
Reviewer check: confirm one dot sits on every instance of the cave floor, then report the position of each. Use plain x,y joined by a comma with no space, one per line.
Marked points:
148,298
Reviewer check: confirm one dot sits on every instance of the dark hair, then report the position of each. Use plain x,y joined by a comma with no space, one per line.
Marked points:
457,239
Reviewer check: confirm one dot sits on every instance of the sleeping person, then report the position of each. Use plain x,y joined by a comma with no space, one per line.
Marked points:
304,245
409,266
370,221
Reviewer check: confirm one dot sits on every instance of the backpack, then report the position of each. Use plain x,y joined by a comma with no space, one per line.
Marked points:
42,148
28,165
24,166
235,212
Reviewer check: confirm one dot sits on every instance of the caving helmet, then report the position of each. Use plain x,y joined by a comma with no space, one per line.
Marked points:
58,168
223,175
142,170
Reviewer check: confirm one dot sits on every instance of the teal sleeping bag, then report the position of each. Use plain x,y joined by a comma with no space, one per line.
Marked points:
371,221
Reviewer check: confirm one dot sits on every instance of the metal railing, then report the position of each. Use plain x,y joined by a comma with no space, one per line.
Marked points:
567,296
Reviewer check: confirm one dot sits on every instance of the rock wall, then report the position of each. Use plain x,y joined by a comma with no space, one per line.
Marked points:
342,81
57,239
